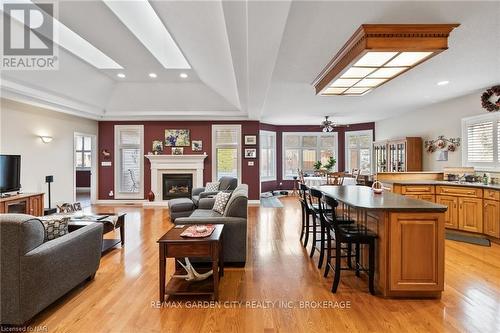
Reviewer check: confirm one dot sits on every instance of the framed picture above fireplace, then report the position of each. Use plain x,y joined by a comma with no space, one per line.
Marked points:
177,151
177,138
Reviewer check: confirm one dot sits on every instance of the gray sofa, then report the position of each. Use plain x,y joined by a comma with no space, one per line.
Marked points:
234,220
35,273
226,184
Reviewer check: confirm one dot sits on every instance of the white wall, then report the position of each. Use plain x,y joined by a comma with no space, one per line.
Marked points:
20,128
438,119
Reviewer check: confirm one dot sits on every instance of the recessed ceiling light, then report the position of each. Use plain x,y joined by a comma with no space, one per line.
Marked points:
183,75
443,83
121,75
153,75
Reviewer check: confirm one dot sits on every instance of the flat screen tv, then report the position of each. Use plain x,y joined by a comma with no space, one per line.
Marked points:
10,173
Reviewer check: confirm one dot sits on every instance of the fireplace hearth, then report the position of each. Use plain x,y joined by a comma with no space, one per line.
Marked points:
177,185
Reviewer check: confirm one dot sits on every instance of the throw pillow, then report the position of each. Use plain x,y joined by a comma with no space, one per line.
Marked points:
221,200
212,187
54,226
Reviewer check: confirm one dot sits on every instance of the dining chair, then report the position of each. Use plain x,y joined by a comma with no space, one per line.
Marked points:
334,178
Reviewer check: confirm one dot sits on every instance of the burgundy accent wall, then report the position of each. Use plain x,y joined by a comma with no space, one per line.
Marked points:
155,130
82,178
288,184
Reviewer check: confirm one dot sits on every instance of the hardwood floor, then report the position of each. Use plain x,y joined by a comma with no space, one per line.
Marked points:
278,270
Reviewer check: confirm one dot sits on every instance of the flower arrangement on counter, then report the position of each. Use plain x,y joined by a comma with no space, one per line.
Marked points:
442,143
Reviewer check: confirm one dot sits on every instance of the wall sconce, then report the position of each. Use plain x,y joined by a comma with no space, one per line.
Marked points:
46,139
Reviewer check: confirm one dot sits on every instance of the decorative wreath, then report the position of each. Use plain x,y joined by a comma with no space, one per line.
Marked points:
485,99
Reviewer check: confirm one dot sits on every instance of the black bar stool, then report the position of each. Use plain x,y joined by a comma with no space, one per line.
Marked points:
324,212
306,213
356,234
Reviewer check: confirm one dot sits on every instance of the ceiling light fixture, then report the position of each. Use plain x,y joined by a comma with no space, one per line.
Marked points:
46,139
183,75
443,83
153,75
121,75
378,53
153,35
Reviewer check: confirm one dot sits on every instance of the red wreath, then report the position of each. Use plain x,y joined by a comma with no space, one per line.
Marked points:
485,99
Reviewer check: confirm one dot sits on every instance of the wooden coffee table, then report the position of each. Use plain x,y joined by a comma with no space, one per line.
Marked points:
107,244
172,245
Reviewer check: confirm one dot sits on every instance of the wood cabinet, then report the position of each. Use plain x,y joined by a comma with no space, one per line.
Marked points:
398,155
422,192
26,203
491,217
470,214
451,215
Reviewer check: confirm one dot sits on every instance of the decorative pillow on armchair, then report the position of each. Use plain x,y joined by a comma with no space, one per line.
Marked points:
221,200
212,187
55,226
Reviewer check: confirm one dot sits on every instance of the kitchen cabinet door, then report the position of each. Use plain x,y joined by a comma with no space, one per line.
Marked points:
451,215
470,214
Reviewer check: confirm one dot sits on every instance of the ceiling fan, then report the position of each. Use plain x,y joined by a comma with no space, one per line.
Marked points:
328,125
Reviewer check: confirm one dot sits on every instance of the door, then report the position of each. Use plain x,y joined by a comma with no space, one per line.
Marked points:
451,215
470,214
36,205
491,218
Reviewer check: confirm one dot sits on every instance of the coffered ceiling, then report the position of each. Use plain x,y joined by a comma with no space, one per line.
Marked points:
252,60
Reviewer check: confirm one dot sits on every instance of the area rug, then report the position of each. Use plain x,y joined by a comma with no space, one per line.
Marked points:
271,202
476,240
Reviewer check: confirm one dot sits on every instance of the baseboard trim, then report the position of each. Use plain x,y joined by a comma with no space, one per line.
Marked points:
118,202
254,202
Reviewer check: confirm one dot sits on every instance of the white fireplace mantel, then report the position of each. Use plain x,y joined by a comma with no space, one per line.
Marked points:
171,164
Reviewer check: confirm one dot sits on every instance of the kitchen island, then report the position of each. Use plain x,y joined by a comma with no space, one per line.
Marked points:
410,244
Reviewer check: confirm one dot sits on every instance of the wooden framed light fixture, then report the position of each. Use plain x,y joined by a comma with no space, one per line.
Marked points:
377,53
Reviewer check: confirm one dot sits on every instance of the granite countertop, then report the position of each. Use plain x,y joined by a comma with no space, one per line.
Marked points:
363,197
441,182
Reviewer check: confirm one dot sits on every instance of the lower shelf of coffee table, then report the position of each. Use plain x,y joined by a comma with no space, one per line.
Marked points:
177,286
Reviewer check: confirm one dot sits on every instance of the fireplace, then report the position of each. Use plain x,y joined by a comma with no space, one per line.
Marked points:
177,185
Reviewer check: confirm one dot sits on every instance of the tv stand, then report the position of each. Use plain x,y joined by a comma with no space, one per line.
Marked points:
25,203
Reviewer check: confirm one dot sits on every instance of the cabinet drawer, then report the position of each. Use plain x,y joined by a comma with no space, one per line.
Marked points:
417,189
460,191
492,194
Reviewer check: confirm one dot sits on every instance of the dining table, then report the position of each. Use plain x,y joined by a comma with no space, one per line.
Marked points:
312,181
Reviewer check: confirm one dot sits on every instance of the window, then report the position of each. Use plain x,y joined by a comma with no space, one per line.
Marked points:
226,148
129,161
358,150
301,150
83,151
267,155
481,142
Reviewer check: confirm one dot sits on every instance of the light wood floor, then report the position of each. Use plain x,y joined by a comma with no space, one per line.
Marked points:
278,269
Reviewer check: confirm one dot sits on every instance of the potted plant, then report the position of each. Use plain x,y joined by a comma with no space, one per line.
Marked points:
330,164
317,167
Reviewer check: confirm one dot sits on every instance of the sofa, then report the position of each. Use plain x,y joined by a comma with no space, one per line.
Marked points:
183,207
35,273
234,220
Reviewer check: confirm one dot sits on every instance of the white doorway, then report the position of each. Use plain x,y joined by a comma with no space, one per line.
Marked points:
84,168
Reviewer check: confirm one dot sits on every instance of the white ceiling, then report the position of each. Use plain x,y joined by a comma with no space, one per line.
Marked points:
256,60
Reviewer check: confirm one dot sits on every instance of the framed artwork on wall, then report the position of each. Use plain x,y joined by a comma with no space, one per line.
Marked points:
250,139
157,146
196,145
250,153
177,138
177,151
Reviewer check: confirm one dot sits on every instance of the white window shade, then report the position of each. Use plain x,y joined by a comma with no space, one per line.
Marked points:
267,160
481,142
129,164
359,150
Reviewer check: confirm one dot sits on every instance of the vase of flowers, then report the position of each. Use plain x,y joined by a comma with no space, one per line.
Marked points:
317,168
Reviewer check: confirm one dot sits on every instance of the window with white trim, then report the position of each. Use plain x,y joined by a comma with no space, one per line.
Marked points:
358,150
129,161
83,152
302,150
481,142
267,155
226,151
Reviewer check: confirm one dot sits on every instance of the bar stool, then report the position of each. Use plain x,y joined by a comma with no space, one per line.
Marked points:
306,212
356,234
319,211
